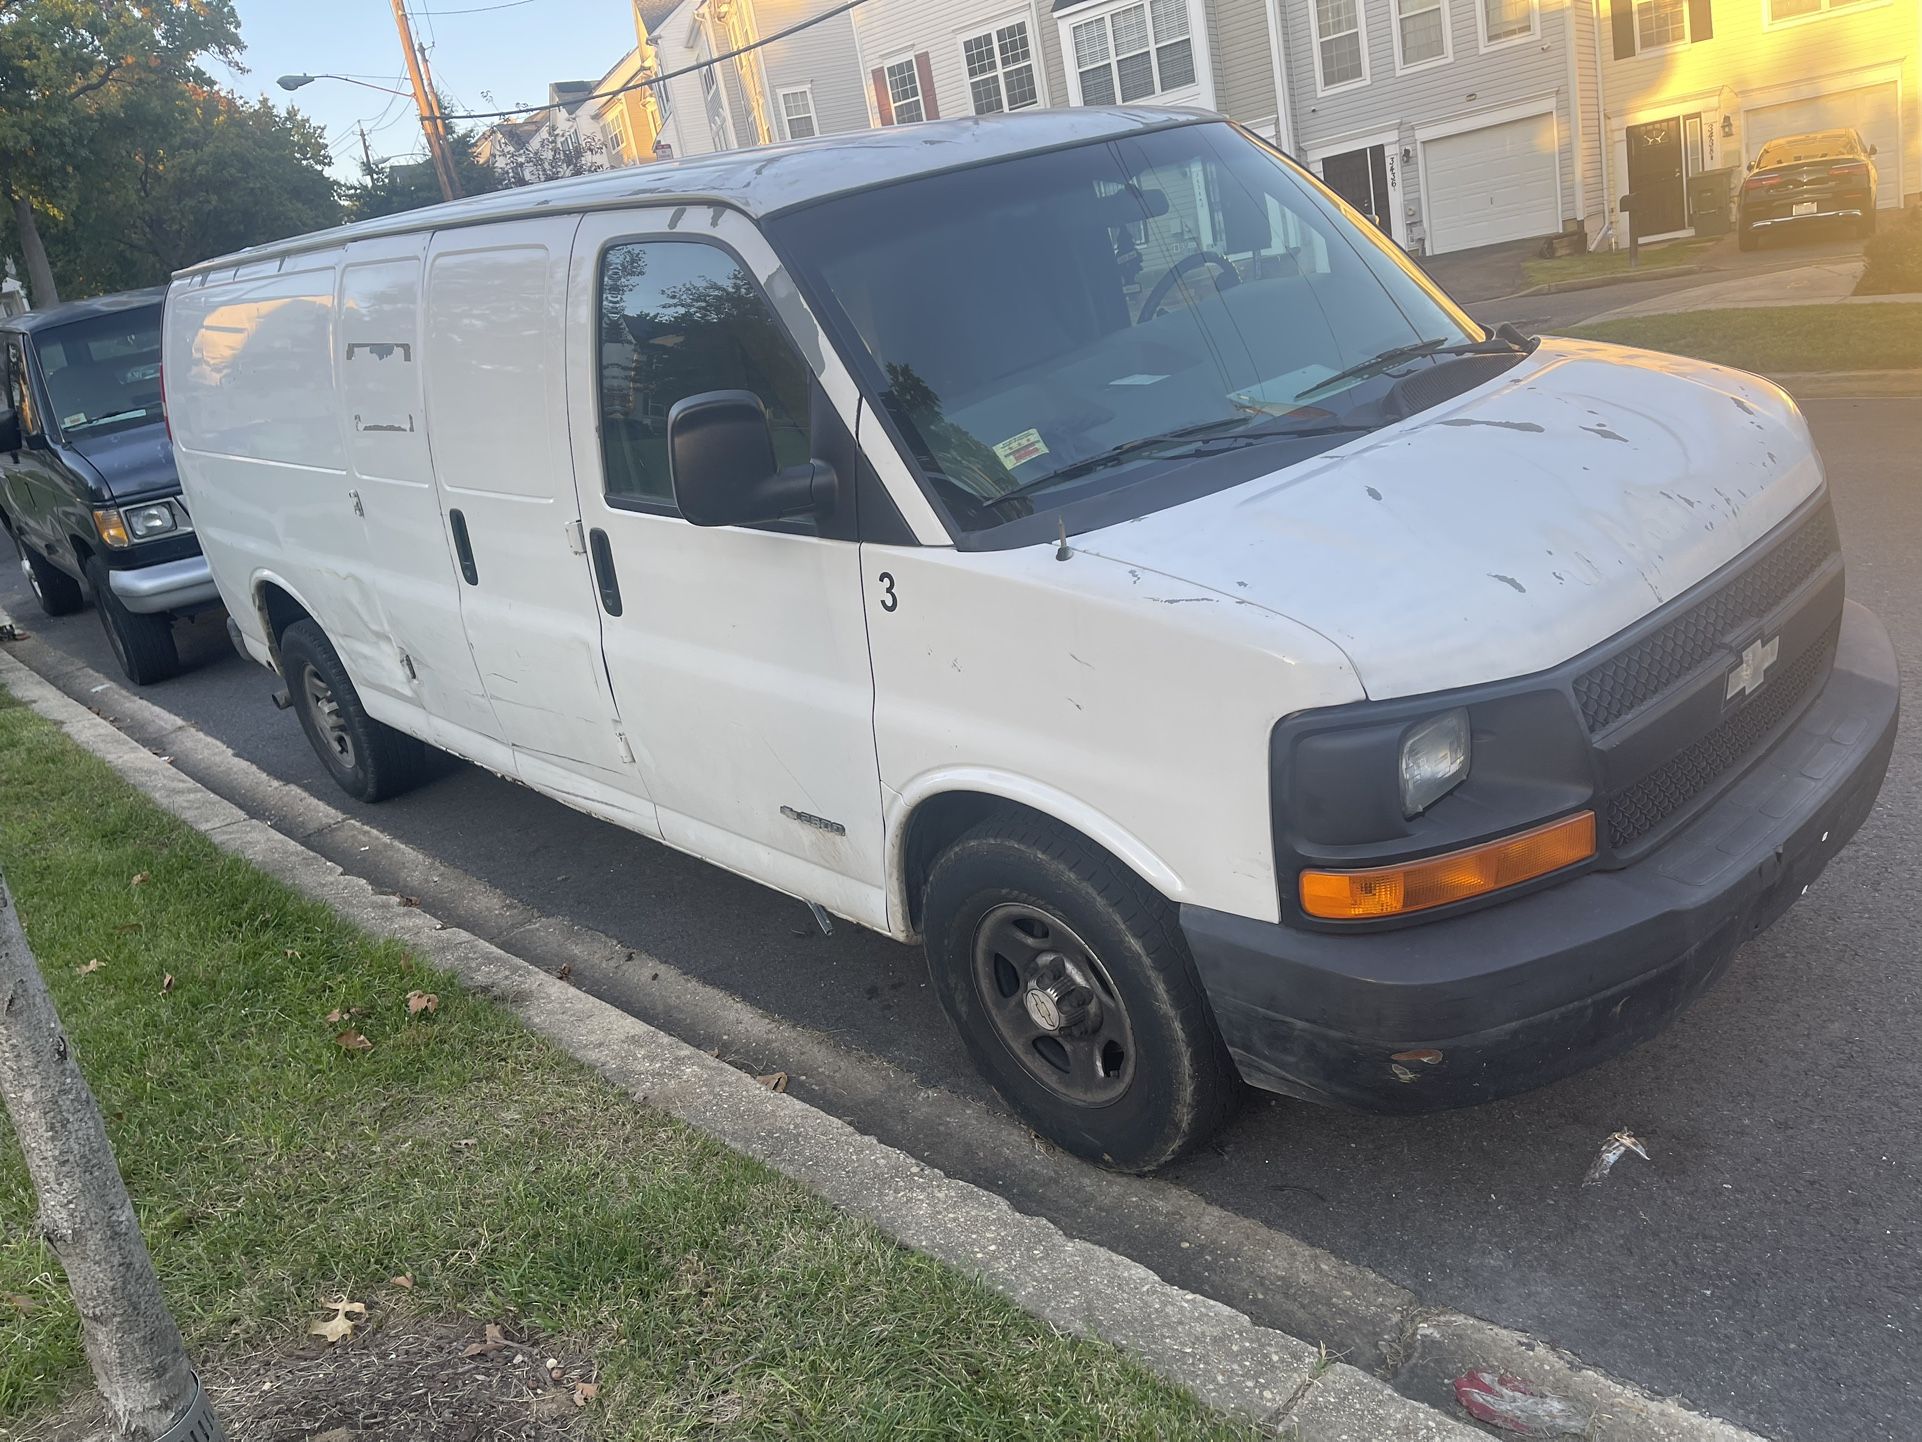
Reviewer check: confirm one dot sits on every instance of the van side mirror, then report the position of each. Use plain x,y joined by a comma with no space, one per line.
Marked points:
720,461
10,431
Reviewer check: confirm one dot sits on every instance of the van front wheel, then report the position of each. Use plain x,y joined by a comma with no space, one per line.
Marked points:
1072,988
370,761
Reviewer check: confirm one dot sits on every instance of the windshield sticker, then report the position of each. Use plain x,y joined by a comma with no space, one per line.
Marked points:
1027,446
75,420
1137,380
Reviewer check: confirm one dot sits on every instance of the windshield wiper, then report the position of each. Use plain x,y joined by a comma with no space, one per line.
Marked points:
1502,339
1195,437
92,421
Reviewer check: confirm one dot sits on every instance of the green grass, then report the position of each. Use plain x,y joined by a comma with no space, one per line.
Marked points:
1780,339
272,1169
1593,263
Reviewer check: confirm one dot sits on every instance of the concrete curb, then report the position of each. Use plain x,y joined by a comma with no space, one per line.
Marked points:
1210,1349
1847,385
1596,282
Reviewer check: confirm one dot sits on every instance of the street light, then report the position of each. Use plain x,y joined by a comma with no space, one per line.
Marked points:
294,82
431,122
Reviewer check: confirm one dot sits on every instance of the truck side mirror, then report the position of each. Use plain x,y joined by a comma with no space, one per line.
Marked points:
720,462
10,439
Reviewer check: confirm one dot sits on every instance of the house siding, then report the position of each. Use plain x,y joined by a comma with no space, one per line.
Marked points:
889,29
1467,84
823,58
1243,60
1583,30
1745,65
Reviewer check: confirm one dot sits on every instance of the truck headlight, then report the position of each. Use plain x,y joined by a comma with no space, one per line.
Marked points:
1434,760
120,528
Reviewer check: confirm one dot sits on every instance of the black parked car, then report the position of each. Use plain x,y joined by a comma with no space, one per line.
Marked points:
1824,175
87,483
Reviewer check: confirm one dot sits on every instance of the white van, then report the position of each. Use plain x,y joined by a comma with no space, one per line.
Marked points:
1078,541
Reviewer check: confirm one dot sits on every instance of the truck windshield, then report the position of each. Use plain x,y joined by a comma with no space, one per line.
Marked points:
103,373
1057,325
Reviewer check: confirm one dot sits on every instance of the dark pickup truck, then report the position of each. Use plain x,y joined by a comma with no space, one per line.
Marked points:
88,490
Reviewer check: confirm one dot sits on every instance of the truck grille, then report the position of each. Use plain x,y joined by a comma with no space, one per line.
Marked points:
1639,808
1622,683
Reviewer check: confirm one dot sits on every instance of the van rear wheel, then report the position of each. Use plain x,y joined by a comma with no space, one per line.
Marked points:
368,760
1071,986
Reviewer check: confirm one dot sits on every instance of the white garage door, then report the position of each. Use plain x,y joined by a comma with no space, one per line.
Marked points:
1493,184
1871,109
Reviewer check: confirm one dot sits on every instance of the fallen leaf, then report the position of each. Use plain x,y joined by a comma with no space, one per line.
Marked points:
141,878
352,1040
405,1281
495,1342
566,970
774,1081
21,1304
1427,1056
336,1015
585,1392
1515,1405
422,1001
340,1326
289,951
166,983
91,967
408,900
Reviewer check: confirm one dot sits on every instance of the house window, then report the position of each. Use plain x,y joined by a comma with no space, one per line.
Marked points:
904,91
1507,20
1797,9
797,113
1001,69
1135,52
1421,31
1338,45
1660,23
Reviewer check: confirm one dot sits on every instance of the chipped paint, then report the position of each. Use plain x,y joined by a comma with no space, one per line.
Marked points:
1507,581
1499,425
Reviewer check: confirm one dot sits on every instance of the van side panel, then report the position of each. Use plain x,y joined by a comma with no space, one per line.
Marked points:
404,536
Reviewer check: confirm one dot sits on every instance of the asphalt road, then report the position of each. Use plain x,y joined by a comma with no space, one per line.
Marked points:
1763,1263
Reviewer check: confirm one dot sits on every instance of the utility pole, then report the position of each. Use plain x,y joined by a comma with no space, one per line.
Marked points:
431,124
366,152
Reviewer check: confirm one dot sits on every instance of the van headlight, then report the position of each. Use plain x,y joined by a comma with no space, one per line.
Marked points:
120,527
1434,760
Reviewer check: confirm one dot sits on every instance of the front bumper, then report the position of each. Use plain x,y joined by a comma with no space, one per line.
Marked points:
166,586
1479,1006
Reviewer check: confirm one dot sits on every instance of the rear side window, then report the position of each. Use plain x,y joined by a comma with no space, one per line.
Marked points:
679,318
19,392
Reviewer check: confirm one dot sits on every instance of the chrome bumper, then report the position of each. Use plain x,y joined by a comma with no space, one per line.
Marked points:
170,586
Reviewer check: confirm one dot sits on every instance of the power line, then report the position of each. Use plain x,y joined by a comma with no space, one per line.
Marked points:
796,29
477,9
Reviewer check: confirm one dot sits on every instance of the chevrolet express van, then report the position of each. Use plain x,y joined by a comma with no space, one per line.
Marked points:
1079,542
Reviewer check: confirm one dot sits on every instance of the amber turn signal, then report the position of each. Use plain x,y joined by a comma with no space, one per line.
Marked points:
1455,876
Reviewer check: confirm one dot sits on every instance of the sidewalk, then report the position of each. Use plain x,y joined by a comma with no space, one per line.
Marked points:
1825,282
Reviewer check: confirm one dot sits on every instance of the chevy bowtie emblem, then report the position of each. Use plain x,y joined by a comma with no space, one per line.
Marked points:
1747,673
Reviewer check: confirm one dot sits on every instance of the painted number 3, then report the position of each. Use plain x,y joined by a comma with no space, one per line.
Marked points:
888,599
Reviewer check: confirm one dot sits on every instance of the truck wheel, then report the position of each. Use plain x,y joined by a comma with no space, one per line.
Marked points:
143,645
1746,238
370,761
1072,988
57,592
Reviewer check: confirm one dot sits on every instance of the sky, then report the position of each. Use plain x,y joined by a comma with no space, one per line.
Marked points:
510,51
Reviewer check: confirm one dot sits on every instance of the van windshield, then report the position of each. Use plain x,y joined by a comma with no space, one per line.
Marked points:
1060,325
103,373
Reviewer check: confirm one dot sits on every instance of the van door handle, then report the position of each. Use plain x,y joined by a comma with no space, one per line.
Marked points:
604,577
463,548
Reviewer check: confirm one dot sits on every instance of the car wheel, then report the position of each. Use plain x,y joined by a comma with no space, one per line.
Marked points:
1746,238
57,592
1865,227
370,761
142,644
1072,988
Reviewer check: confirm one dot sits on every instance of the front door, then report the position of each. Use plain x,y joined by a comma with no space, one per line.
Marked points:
738,655
1360,177
1655,177
496,400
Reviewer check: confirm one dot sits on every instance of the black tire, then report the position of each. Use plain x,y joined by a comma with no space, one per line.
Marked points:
1747,238
369,760
1865,227
57,592
142,644
1134,1096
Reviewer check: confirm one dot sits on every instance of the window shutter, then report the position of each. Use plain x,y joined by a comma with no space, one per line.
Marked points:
925,73
883,106
1701,24
1622,15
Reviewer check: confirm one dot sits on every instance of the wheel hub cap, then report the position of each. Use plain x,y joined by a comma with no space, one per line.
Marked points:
327,718
1052,1004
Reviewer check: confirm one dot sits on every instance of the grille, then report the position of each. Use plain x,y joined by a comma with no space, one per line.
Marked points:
1611,689
1638,809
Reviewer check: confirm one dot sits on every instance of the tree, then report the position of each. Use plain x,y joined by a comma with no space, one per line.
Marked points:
546,153
194,173
68,66
138,1359
389,187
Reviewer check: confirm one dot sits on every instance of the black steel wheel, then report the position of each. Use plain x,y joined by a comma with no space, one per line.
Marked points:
369,760
1070,984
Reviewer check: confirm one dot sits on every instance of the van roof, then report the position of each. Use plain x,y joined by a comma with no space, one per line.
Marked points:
765,179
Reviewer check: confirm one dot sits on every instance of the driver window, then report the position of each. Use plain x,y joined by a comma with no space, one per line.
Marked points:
679,318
